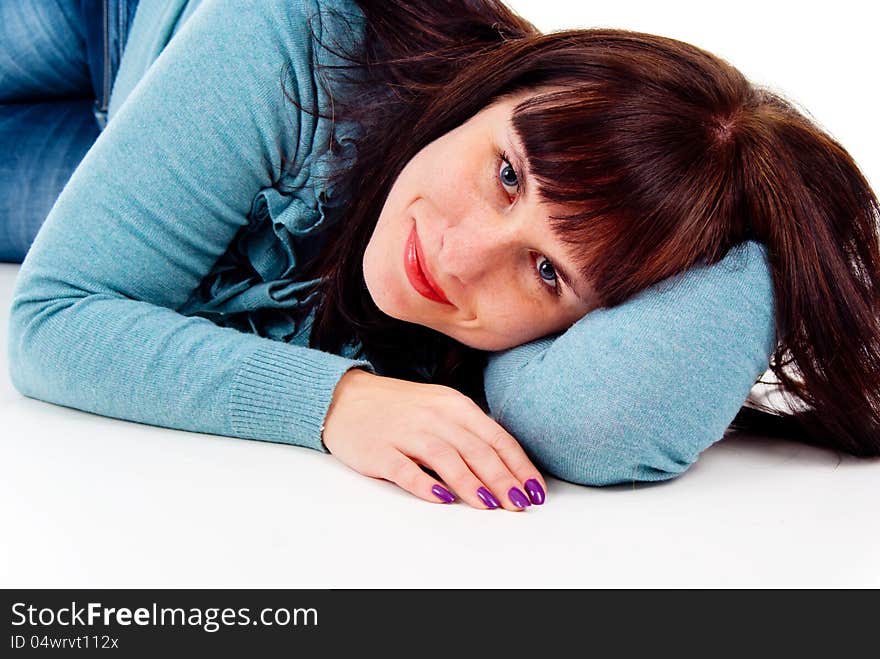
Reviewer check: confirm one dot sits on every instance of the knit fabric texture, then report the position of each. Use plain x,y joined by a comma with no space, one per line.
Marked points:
162,286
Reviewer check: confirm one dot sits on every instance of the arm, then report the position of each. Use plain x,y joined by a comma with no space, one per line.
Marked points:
636,392
151,207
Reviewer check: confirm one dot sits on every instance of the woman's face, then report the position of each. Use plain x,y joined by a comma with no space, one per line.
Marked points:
471,223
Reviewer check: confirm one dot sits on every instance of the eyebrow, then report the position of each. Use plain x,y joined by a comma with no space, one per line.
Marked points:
563,275
519,163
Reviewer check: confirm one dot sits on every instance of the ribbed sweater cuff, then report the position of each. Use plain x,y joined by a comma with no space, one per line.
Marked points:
282,393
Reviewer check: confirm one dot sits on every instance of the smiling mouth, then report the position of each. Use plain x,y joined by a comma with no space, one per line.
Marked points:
418,276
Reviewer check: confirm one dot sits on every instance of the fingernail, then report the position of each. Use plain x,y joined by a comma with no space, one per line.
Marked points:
518,498
536,492
488,498
443,494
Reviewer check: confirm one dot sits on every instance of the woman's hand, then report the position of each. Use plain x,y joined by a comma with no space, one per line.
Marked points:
385,428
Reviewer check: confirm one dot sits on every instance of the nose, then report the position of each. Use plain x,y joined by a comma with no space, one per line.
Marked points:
476,247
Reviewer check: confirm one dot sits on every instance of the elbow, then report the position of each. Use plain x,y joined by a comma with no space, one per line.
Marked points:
608,463
31,348
17,347
610,456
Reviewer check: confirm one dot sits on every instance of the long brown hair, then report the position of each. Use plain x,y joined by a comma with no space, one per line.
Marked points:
667,157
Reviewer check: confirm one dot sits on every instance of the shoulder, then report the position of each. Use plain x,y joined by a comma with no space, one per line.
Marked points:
288,25
288,13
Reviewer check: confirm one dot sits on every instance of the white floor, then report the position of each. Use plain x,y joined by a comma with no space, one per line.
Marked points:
91,501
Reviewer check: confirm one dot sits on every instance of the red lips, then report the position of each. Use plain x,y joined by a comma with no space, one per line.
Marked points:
417,273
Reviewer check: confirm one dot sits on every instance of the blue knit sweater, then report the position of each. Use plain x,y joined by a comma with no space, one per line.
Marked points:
161,286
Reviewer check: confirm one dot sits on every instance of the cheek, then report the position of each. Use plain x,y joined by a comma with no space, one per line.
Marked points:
449,175
513,320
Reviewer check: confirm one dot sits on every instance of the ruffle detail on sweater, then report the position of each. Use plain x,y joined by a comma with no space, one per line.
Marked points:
254,285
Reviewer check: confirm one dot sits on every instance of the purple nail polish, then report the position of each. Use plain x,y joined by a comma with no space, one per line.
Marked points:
488,498
518,498
536,492
443,494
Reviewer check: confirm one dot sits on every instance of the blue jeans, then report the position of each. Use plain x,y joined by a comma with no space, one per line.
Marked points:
58,61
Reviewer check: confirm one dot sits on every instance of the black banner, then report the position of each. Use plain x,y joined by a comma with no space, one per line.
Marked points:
146,622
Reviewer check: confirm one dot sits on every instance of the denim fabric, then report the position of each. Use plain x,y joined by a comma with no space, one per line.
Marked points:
107,24
58,59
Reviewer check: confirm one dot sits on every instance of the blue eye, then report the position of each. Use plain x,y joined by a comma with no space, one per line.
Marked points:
507,173
546,273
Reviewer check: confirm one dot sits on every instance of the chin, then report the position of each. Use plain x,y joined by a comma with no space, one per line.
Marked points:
381,294
486,345
386,305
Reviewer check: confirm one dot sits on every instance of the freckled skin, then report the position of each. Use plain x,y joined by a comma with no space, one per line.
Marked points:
483,242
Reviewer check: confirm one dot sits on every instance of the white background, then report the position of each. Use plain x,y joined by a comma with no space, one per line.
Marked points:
91,501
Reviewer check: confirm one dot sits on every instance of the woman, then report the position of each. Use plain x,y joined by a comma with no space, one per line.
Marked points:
589,227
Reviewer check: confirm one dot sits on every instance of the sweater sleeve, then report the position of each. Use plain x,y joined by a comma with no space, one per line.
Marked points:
636,392
154,203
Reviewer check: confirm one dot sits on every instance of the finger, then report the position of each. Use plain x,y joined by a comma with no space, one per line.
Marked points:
443,457
405,473
505,445
487,465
